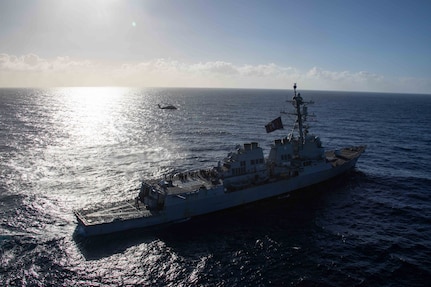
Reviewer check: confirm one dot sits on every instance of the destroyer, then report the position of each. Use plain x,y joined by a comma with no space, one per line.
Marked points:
244,176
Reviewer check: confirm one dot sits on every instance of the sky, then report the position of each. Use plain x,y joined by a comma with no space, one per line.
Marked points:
349,45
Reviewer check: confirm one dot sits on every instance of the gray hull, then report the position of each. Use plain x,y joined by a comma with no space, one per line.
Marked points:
126,215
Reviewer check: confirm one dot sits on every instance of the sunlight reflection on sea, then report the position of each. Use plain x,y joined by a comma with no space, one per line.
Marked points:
62,149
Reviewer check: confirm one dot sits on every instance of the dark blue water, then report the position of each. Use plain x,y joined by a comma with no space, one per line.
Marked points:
61,149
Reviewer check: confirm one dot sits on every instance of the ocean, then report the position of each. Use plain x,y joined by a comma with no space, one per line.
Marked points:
64,148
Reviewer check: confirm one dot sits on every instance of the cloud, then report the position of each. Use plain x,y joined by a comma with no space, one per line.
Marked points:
34,71
23,63
32,62
214,68
346,80
268,70
361,77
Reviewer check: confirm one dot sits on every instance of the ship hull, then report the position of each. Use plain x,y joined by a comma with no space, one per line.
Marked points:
184,207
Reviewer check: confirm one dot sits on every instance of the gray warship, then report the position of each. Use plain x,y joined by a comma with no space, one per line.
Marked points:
294,162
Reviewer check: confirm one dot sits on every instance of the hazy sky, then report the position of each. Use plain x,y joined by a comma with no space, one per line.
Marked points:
337,45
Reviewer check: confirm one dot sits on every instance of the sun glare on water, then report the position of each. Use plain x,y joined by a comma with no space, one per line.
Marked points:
93,113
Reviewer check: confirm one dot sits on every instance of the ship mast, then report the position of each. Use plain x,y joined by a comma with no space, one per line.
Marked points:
297,103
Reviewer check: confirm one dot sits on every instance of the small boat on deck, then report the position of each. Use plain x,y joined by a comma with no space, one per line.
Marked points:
296,161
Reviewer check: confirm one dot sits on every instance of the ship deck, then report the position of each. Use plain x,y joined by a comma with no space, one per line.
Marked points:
131,209
339,157
116,211
186,183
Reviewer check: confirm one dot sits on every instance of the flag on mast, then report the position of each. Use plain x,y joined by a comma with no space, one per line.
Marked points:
274,125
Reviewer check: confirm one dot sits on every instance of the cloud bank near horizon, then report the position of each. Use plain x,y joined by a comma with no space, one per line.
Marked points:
30,70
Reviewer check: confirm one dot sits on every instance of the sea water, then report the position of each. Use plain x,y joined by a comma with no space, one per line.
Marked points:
65,148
